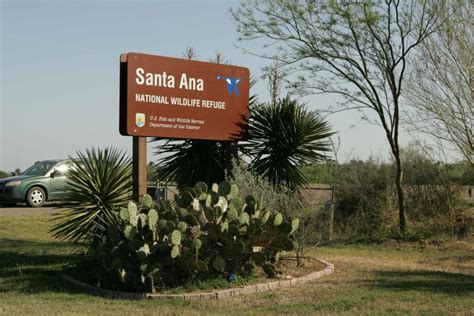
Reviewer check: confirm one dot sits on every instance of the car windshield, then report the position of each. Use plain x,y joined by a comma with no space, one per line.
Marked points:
39,168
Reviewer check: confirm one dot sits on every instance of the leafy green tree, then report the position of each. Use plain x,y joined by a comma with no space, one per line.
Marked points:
4,174
100,182
358,50
282,138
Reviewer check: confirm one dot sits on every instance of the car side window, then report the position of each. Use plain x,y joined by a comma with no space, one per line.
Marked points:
62,170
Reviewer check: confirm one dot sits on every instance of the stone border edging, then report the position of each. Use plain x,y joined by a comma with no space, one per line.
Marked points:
203,296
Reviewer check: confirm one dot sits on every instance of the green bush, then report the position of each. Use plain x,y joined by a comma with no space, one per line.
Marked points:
205,233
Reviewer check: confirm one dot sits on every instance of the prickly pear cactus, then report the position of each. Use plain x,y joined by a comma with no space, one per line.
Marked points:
232,228
206,230
149,240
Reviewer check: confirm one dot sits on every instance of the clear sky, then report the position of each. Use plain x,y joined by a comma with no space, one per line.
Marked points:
60,71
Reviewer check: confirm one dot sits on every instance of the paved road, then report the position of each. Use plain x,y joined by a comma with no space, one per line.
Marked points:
22,210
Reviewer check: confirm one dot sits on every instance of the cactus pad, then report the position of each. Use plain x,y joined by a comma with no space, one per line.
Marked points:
294,225
190,219
278,219
232,214
224,188
218,264
133,220
250,199
266,217
175,252
146,201
152,218
234,192
129,232
182,226
244,219
224,226
197,243
236,203
176,237
132,208
124,214
200,188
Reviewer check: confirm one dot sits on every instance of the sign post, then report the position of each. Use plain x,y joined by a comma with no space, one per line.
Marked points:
180,99
139,166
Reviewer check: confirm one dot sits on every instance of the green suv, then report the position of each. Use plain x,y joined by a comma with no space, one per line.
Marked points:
44,181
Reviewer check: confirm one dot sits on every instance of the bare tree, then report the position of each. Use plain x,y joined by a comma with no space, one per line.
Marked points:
356,49
274,76
441,85
190,53
219,59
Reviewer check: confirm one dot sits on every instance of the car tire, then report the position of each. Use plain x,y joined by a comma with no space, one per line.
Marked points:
36,197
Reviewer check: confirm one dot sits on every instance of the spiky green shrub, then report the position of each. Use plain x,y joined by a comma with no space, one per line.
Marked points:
186,162
284,137
205,233
98,184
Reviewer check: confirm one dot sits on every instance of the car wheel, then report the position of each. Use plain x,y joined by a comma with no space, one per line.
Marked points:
36,197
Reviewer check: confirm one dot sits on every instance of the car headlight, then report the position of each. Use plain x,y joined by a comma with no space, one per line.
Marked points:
13,183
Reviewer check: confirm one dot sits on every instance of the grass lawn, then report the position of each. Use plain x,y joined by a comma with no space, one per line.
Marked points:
391,280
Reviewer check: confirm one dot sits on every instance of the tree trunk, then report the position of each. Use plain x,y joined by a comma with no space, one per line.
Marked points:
400,193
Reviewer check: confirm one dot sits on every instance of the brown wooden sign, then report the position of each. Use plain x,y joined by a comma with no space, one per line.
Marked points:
177,98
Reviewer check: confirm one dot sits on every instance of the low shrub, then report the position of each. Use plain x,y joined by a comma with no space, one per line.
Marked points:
364,207
366,201
205,233
275,197
280,198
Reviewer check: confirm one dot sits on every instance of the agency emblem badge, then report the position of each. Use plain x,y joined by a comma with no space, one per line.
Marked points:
140,119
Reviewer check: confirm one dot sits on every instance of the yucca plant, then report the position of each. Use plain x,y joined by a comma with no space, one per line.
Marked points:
99,183
190,161
282,138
